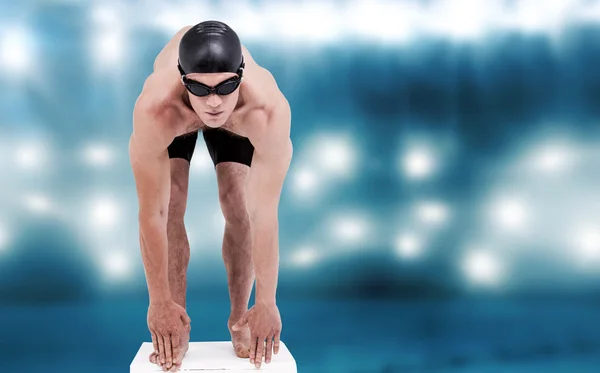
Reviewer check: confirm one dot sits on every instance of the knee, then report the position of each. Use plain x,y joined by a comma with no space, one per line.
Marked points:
233,205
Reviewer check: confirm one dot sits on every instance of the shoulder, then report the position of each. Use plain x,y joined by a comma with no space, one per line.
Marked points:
161,92
273,137
152,114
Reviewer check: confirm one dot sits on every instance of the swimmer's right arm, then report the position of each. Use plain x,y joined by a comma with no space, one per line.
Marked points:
150,163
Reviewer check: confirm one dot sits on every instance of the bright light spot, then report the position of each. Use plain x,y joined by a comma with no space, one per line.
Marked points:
192,240
587,243
3,238
201,161
528,16
460,20
305,181
104,213
105,15
15,50
98,155
418,164
244,20
482,268
170,22
432,212
172,19
408,246
375,20
553,159
305,256
30,156
109,48
384,21
285,18
117,265
37,203
219,221
350,229
510,214
336,155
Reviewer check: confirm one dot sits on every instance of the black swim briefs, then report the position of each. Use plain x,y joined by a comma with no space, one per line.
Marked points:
222,145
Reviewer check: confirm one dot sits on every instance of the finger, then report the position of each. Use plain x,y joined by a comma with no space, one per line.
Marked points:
154,341
168,351
161,350
259,352
253,342
176,366
269,350
276,343
186,319
175,340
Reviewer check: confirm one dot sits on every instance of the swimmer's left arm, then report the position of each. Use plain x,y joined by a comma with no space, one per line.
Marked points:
270,164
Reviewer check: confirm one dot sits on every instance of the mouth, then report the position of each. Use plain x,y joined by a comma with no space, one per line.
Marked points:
214,114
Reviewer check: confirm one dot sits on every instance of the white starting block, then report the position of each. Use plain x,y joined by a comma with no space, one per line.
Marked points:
215,356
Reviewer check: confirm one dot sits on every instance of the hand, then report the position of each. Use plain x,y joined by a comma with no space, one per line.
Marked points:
167,321
264,322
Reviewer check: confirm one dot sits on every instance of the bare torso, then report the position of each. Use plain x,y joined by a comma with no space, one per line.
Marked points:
163,90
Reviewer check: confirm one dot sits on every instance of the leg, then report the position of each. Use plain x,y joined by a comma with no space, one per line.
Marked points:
237,255
232,156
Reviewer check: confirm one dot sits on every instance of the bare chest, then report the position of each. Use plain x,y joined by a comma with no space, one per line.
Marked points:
244,123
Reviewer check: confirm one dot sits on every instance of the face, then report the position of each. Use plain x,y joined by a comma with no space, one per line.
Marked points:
213,109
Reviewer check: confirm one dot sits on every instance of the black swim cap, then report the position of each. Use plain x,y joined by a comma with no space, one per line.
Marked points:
210,47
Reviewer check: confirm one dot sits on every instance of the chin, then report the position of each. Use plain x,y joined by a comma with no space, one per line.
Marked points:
213,124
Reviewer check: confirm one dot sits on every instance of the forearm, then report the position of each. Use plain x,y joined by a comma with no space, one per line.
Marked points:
154,248
265,256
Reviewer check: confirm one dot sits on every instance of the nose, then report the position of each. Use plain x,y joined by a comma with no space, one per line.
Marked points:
214,100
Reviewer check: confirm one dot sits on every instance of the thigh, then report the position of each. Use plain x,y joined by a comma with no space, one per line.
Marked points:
180,151
183,146
226,146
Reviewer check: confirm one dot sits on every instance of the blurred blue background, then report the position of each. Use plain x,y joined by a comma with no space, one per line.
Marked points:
441,213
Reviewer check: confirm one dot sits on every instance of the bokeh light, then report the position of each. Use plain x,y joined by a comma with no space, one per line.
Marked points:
483,268
305,182
104,213
305,256
433,212
31,156
586,244
350,229
38,203
418,163
409,246
4,238
117,265
109,47
16,50
99,155
335,154
510,214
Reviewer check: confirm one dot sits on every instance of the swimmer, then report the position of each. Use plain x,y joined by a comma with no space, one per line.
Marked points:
205,80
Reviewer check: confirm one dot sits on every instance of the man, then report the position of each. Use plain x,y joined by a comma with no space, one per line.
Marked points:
204,79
